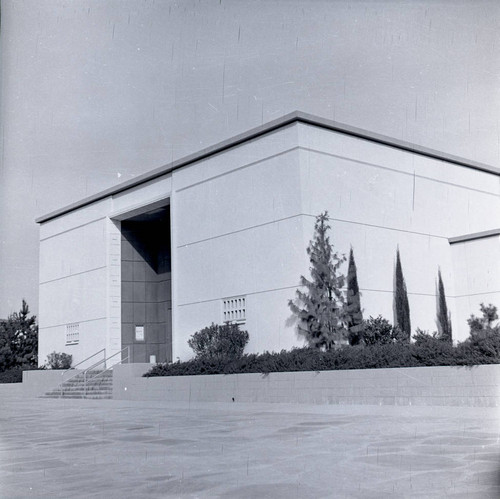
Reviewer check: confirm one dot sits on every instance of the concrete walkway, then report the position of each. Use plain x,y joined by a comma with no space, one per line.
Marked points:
120,449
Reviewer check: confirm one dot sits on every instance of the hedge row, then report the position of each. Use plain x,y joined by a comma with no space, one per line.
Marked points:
429,353
15,374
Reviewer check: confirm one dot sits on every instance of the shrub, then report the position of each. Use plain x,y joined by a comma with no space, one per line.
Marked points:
484,339
15,374
219,342
484,323
12,375
431,350
484,343
385,347
423,337
59,360
375,356
378,331
428,352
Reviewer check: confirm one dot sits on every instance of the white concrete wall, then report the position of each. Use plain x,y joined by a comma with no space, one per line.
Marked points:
236,231
113,336
73,281
80,272
379,198
477,275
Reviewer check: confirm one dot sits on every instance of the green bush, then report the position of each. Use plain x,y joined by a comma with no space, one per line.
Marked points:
385,347
15,374
483,344
484,338
423,337
484,323
435,352
59,360
218,343
430,352
378,331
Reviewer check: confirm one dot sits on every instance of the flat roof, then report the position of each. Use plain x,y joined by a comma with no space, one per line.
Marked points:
288,119
474,236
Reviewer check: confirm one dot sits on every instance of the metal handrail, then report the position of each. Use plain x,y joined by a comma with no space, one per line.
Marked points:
85,360
76,365
85,379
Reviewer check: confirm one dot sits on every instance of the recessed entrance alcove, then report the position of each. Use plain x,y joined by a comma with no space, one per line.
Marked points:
146,286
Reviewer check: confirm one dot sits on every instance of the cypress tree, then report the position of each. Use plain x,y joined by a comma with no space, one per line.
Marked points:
354,314
319,309
401,305
443,316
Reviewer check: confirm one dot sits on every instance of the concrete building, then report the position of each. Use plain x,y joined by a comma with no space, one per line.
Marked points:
222,235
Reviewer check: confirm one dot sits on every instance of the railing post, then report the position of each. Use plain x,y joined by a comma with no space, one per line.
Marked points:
85,384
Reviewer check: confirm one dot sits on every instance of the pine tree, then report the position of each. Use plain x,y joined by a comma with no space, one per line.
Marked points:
354,314
485,323
443,316
18,339
320,307
401,305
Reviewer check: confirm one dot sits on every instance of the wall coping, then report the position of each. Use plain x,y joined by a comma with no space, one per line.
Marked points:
473,236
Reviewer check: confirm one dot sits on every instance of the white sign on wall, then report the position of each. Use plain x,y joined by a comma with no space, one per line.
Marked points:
139,333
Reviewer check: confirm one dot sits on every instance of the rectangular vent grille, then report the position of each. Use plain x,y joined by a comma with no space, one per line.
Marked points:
72,334
234,309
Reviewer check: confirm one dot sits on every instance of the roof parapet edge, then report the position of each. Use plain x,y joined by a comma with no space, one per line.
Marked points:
474,236
283,121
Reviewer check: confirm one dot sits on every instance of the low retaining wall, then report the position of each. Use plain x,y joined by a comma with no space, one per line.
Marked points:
440,386
36,383
11,390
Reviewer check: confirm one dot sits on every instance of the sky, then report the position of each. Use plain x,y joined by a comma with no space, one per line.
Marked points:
95,92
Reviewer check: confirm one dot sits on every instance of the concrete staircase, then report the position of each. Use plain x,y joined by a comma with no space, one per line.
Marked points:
99,386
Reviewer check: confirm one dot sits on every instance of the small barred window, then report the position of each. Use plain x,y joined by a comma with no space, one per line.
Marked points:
234,309
72,334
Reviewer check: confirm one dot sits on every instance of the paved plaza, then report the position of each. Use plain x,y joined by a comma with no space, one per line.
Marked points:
120,449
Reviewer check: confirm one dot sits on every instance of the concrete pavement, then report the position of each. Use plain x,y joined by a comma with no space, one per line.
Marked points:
124,449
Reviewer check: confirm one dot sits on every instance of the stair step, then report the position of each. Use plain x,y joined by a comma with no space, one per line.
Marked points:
89,387
76,394
96,378
81,396
77,385
99,385
69,385
82,391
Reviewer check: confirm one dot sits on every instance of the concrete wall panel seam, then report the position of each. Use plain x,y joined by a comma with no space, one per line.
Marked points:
95,269
409,174
76,227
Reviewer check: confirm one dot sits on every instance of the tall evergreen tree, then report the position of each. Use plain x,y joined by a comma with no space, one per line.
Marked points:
320,308
354,314
18,339
443,316
401,305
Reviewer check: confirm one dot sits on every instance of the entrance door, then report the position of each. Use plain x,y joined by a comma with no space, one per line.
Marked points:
146,286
